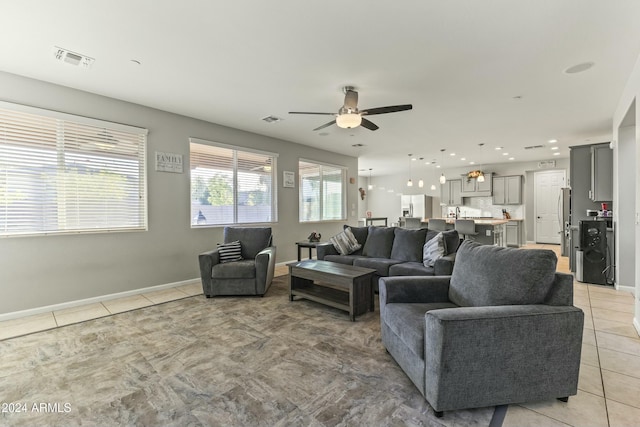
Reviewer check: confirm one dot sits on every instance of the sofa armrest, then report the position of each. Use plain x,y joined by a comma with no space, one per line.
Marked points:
207,260
325,249
414,289
265,268
444,265
504,354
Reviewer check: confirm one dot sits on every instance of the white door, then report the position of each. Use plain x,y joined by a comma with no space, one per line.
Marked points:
547,185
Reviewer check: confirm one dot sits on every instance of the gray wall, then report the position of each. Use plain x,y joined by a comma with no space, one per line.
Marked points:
47,270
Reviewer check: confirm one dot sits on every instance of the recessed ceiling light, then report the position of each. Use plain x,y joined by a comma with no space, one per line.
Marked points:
438,166
579,68
413,159
463,159
555,148
498,148
512,158
452,154
556,154
472,163
553,141
505,154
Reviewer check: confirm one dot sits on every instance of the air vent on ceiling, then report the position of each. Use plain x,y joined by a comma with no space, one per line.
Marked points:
72,58
533,147
271,119
357,145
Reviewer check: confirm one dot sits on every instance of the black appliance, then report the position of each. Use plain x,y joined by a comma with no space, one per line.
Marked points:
591,266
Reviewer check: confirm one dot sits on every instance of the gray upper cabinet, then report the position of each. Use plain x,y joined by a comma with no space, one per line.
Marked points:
474,188
451,192
507,190
601,173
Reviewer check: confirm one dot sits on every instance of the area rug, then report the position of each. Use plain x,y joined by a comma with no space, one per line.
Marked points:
228,361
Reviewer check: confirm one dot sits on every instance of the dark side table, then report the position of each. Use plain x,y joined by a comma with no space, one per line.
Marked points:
306,244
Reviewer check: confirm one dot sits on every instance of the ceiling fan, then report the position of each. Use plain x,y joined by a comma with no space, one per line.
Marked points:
349,116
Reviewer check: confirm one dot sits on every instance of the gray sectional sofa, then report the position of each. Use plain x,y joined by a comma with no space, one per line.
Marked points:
394,251
501,329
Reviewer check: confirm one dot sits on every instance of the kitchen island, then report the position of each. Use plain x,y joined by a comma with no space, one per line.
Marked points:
491,231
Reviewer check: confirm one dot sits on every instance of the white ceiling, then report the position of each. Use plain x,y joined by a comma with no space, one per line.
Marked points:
461,63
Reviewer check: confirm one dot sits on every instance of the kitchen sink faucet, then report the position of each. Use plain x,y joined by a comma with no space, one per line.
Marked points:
457,212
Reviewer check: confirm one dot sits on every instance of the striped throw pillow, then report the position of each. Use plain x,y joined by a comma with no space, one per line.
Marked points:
345,242
231,251
432,250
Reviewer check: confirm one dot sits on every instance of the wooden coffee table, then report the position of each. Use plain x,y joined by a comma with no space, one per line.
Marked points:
342,286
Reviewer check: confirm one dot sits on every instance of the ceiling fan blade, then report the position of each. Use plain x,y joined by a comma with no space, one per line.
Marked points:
306,112
351,99
368,124
384,110
326,125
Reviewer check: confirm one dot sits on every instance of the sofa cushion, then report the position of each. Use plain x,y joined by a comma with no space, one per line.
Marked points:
342,259
253,239
407,322
407,244
485,275
381,265
345,242
379,242
411,269
245,269
433,250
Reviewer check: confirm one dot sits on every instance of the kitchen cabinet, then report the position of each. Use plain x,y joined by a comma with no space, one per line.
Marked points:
473,188
507,190
451,193
601,173
513,234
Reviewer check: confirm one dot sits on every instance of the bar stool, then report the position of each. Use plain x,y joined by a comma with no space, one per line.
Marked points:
466,228
437,224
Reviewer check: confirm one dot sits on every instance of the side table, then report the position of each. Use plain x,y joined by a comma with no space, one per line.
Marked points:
306,244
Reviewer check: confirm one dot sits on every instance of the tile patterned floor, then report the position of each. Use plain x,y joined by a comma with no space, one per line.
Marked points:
609,387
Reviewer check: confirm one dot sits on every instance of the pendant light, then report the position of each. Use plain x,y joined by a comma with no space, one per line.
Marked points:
433,174
480,177
410,182
421,182
443,178
370,186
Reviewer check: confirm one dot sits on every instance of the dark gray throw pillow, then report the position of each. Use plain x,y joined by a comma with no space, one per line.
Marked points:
407,244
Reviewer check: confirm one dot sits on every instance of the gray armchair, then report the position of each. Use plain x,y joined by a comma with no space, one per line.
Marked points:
501,329
250,276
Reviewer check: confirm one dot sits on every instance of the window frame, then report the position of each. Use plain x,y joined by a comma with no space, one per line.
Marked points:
322,199
236,149
66,135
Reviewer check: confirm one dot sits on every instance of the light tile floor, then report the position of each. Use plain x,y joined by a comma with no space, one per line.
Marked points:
609,386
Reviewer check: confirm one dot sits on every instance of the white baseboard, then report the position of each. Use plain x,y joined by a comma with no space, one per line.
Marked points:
630,289
92,300
636,324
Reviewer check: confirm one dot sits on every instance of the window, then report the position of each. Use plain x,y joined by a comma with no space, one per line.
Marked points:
322,192
231,185
61,173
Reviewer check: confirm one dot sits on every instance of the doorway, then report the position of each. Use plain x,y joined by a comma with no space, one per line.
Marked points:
547,205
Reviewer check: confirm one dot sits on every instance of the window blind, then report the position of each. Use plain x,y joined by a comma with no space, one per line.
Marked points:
322,192
230,185
58,175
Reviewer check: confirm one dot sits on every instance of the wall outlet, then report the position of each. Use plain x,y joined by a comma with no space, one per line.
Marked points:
488,232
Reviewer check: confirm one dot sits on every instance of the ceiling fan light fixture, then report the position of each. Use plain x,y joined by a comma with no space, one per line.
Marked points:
349,120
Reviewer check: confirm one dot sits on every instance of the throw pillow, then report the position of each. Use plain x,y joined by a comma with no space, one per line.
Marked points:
231,251
345,242
432,250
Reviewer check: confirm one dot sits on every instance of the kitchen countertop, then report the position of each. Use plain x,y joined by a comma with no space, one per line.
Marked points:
480,221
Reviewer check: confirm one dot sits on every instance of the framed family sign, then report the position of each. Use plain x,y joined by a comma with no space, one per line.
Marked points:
288,179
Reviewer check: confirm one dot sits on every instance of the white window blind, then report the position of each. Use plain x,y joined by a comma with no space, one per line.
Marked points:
230,185
61,173
322,192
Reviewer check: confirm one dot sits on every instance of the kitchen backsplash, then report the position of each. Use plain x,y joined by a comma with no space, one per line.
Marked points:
484,207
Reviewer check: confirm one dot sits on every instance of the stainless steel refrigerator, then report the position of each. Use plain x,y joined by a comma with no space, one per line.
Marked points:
564,218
